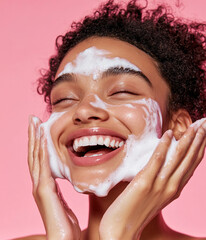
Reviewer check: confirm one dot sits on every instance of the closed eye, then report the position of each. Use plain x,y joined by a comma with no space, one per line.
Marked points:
124,92
63,100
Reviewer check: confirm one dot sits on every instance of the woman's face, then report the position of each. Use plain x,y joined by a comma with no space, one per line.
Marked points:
101,85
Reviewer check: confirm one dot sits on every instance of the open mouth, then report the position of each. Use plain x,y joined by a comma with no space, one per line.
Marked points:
94,149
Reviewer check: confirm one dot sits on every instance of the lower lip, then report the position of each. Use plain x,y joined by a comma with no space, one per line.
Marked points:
92,161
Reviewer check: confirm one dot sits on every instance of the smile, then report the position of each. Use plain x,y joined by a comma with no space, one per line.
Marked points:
88,147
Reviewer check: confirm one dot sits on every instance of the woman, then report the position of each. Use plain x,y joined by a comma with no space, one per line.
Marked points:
123,90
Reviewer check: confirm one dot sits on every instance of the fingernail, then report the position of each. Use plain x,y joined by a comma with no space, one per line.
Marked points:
36,120
169,133
194,126
198,123
204,125
166,134
200,132
30,118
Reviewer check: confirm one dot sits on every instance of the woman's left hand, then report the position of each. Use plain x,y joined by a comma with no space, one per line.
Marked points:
155,186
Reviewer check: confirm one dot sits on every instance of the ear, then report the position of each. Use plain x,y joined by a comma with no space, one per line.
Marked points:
179,122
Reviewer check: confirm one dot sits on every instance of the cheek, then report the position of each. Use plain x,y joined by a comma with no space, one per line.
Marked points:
133,117
57,131
60,125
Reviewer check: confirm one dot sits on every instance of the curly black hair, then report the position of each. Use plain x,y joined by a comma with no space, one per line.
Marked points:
179,49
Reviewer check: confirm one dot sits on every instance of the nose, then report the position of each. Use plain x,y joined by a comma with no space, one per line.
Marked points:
87,113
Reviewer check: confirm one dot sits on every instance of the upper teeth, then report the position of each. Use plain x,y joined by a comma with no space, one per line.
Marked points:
94,140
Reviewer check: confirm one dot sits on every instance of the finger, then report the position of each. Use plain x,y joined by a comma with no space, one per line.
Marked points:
34,123
45,171
194,164
200,156
186,168
35,167
188,176
158,158
53,214
192,155
180,152
31,141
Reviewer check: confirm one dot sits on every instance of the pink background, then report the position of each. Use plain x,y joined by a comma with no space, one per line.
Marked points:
28,30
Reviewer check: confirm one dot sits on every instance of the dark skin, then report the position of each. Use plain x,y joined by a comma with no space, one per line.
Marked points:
138,203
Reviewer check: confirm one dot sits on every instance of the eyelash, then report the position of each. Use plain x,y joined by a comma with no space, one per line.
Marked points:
124,91
61,100
70,99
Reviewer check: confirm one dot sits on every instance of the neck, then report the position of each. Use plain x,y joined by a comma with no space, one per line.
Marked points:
98,206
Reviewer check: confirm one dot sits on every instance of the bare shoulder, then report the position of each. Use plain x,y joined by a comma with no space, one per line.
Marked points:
32,237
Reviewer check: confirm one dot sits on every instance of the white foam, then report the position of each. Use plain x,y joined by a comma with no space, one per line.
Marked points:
58,168
93,61
35,120
138,150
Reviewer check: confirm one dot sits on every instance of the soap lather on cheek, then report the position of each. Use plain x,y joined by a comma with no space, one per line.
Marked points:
58,168
138,150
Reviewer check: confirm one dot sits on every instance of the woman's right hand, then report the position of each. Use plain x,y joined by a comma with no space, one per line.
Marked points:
59,220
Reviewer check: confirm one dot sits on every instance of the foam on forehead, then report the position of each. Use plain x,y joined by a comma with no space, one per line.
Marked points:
93,61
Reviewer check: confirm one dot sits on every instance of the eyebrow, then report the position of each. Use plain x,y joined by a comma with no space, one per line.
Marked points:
130,71
70,77
67,77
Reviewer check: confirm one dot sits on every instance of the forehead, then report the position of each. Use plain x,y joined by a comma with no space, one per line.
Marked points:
117,48
114,48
